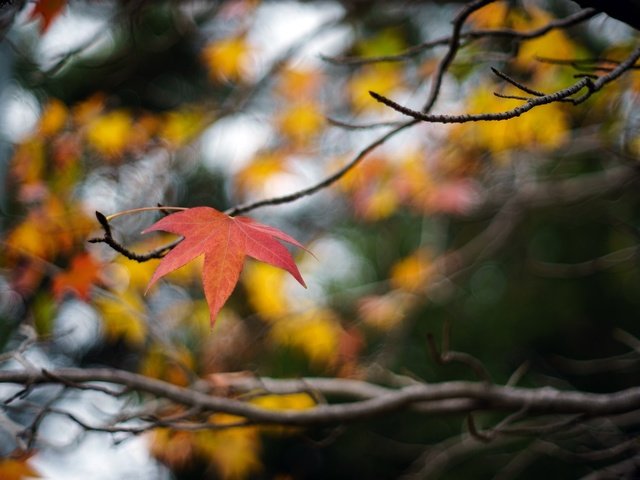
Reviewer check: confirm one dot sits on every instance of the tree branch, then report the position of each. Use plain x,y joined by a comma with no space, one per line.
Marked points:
371,400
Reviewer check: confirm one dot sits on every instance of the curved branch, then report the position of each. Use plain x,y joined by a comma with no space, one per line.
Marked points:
372,400
322,184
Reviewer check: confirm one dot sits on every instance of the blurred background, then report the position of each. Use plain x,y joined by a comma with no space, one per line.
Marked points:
114,105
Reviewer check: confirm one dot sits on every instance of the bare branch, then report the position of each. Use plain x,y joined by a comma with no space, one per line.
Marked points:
517,35
483,397
491,117
561,95
118,247
322,184
589,267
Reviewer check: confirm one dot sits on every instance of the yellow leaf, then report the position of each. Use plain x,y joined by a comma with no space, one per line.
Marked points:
173,448
380,204
234,451
358,178
109,134
62,228
265,289
174,365
292,401
543,127
301,122
375,188
412,273
227,59
26,239
316,333
555,44
253,177
412,180
380,78
89,109
53,117
123,317
491,16
181,126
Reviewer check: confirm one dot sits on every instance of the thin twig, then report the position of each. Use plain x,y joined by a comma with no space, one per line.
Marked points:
517,35
118,247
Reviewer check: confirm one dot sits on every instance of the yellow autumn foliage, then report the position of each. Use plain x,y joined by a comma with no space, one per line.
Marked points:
109,134
300,122
171,364
555,44
316,333
17,469
412,273
123,317
54,117
234,451
381,203
491,16
227,59
265,289
89,109
380,78
263,167
181,126
545,127
173,448
50,229
292,401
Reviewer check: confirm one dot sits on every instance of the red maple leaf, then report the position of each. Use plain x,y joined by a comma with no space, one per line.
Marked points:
225,242
47,10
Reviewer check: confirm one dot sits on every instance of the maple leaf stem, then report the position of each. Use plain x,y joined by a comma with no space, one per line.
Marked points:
141,209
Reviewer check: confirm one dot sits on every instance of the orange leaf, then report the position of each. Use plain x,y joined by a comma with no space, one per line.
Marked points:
47,11
79,279
17,469
227,59
225,242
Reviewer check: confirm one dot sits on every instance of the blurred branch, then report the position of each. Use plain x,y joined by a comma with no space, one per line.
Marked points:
529,196
409,53
433,95
449,356
584,64
589,267
371,400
